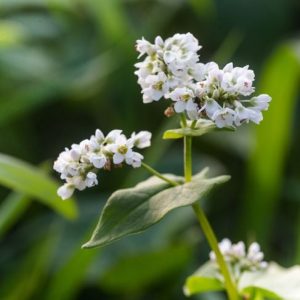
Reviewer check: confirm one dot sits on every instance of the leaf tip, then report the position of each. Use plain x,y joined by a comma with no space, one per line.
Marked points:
186,291
87,245
170,134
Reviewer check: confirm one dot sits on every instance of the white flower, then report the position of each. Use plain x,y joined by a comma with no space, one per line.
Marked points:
78,166
184,100
98,160
77,181
238,250
122,149
99,136
255,256
246,114
144,69
261,102
144,47
159,43
198,71
85,146
211,107
181,52
91,179
65,191
142,139
171,70
157,87
135,159
169,64
214,78
238,259
75,154
181,94
224,117
225,248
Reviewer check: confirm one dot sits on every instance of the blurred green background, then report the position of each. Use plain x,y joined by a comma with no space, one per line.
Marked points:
66,68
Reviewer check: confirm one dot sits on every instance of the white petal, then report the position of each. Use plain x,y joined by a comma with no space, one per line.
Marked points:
99,135
98,161
211,107
142,139
228,67
191,105
65,191
179,106
159,41
121,140
91,179
118,158
112,136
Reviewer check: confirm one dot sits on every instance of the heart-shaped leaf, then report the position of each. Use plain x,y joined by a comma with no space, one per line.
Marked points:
133,210
275,283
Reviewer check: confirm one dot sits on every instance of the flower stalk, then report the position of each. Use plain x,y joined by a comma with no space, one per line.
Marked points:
159,175
204,223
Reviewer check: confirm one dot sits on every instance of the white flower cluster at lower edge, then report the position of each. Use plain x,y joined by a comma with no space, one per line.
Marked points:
171,70
239,259
79,164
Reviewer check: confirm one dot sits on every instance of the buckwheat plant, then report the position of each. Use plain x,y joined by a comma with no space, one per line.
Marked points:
206,97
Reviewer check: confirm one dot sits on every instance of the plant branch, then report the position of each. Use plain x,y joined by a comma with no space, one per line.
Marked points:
206,228
159,175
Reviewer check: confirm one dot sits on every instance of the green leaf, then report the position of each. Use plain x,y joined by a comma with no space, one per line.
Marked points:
182,132
254,292
112,21
205,279
265,171
275,283
72,273
13,206
201,127
29,180
25,281
133,210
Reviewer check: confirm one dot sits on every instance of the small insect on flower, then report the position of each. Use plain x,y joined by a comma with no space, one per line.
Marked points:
79,165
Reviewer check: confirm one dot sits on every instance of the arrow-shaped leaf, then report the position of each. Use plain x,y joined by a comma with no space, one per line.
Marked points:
276,282
133,210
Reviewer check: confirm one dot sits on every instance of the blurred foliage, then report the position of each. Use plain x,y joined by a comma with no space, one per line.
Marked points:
265,171
66,68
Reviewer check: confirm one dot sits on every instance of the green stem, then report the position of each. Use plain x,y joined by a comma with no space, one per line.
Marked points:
188,173
207,229
159,175
211,238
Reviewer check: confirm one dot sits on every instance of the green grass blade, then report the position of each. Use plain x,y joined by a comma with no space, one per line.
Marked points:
29,180
29,277
71,274
112,21
265,166
13,206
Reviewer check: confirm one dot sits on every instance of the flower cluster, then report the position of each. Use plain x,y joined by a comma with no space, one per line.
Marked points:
239,259
79,164
171,70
